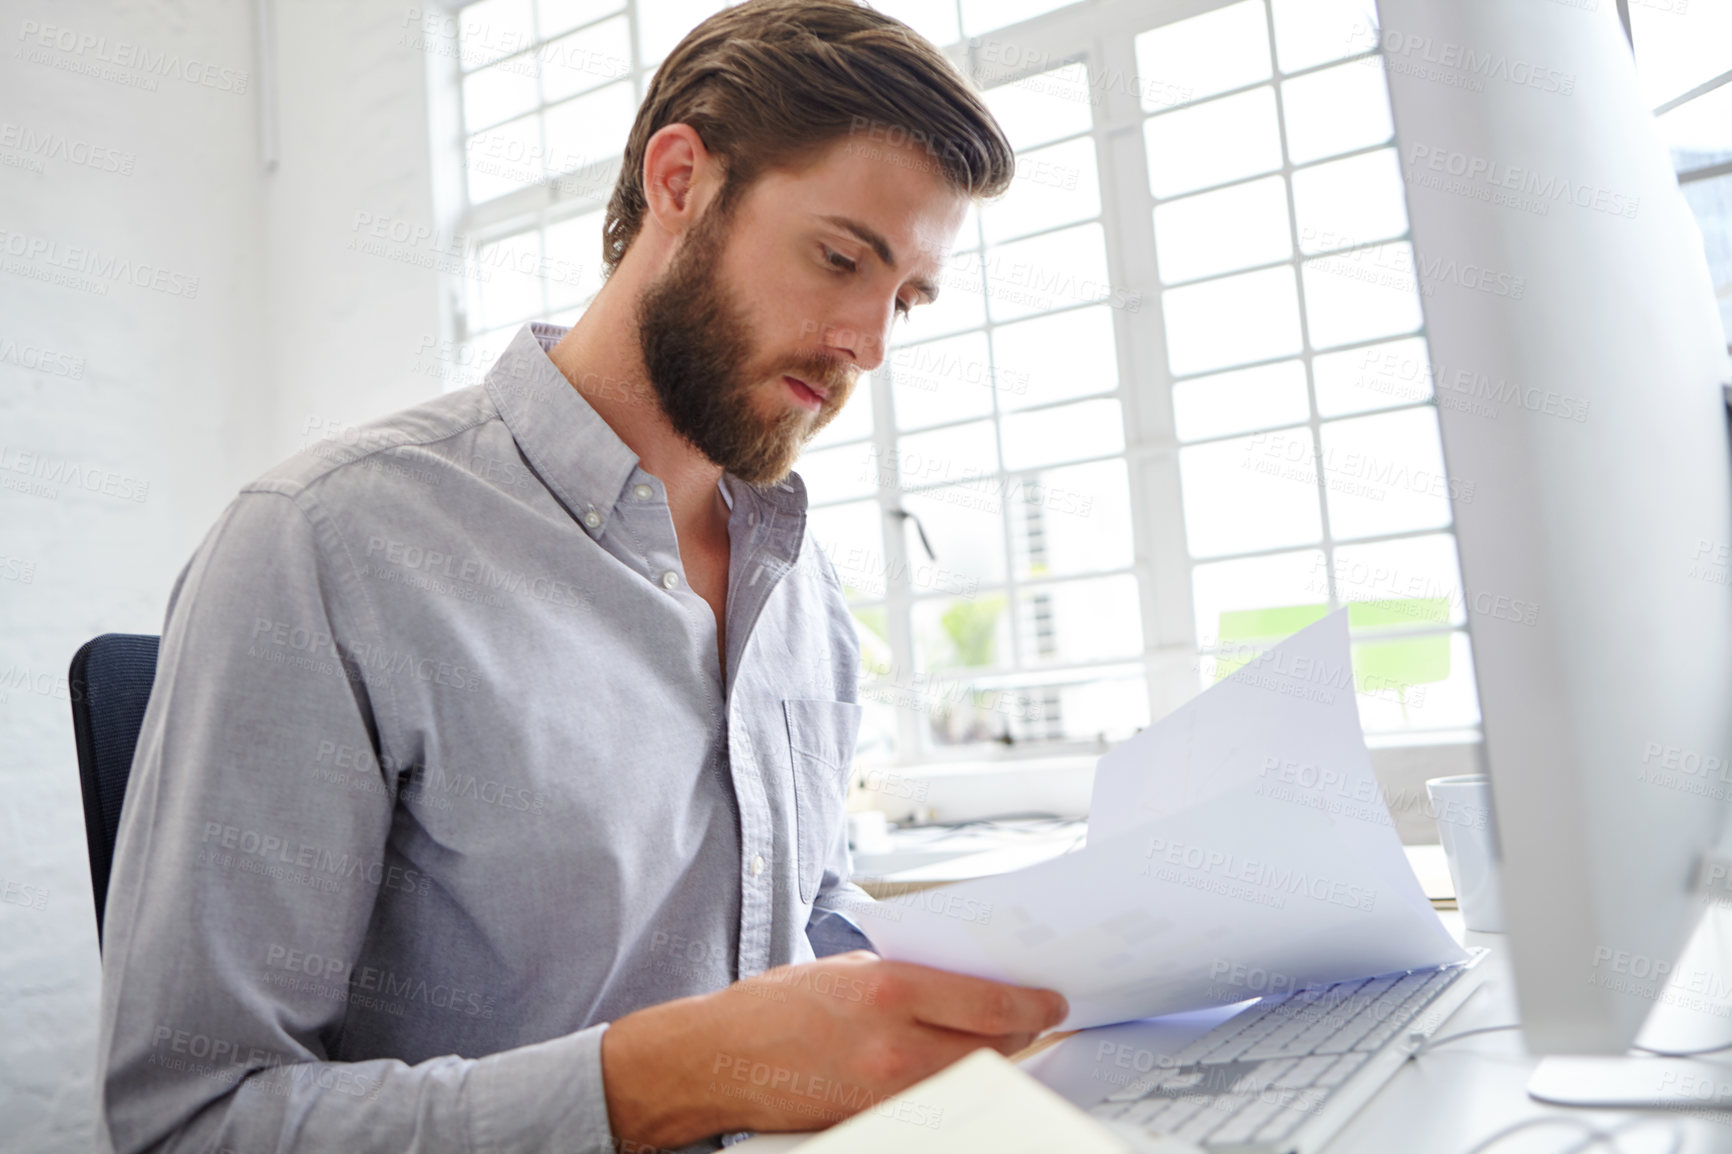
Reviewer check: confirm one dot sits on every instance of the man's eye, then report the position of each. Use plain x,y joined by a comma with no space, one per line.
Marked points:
902,307
838,261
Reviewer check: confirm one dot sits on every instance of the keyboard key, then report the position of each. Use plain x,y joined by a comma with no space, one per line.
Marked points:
1212,1116
1182,1111
1238,1129
1341,1070
1262,1077
1304,1072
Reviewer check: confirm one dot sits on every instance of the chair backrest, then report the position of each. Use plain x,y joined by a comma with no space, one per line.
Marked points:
109,685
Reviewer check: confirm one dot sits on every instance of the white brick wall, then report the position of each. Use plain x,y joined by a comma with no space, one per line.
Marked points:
149,404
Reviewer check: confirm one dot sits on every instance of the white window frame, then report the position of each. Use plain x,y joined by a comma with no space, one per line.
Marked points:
1101,34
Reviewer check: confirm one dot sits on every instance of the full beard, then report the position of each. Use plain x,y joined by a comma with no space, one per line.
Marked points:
697,349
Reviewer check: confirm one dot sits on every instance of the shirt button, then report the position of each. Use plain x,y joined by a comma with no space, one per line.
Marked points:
642,492
757,864
670,579
592,519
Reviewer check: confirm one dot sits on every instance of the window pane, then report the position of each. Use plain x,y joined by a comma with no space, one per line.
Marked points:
1053,186
504,159
1679,45
959,453
941,381
1384,474
504,286
1055,358
1215,232
838,474
1312,32
850,537
1350,202
1249,585
1094,620
961,303
1190,59
1107,709
595,125
585,60
573,260
1413,581
1071,520
1371,378
936,22
1257,492
1711,201
1354,296
1699,133
984,15
664,23
1416,683
1336,110
1232,321
1067,433
1047,272
556,16
965,527
1265,397
491,30
1213,143
855,419
1045,107
499,92
961,632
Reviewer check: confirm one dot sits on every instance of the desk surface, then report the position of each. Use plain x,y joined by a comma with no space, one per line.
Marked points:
1461,1093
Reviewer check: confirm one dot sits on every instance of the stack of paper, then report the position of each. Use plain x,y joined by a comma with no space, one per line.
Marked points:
1237,848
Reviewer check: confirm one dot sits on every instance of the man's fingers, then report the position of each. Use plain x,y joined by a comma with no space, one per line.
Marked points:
975,1005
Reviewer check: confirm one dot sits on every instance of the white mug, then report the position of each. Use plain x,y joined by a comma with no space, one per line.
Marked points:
1468,830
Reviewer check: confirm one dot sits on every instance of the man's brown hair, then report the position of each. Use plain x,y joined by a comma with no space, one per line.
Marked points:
770,82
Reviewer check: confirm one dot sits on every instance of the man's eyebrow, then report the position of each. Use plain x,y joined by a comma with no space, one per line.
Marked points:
875,240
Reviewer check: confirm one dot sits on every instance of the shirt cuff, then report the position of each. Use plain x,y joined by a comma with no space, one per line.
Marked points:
832,933
543,1097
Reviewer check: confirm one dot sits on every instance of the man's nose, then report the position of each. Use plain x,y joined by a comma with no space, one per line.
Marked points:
863,341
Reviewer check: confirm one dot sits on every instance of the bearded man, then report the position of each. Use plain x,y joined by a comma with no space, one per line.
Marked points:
491,791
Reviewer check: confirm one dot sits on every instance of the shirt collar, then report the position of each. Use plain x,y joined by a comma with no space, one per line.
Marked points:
579,456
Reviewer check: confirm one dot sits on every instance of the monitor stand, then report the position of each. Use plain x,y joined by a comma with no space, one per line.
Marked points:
1635,1083
1698,1018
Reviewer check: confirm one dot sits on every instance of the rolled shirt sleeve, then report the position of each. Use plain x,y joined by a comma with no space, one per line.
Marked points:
242,890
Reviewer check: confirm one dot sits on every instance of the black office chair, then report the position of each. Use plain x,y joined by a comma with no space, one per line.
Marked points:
110,686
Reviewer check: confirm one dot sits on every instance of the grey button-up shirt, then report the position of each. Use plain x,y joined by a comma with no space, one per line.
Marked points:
441,773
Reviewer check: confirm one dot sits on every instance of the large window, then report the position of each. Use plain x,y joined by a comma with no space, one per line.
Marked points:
1174,402
1684,65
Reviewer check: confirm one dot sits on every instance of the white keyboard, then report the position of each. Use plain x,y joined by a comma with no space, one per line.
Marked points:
1253,1083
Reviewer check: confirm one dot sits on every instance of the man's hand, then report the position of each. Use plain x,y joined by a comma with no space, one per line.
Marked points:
801,1047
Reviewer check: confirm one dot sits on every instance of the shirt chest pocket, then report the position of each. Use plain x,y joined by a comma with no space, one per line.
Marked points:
821,741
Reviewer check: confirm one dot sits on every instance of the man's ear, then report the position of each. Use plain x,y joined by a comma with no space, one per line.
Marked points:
680,177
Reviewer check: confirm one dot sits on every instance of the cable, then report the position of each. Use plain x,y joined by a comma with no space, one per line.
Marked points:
1594,1136
1432,1043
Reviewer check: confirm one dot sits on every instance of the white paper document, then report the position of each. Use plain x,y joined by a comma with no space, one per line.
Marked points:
1237,848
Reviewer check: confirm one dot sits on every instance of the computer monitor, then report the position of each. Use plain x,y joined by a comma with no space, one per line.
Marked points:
1587,411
